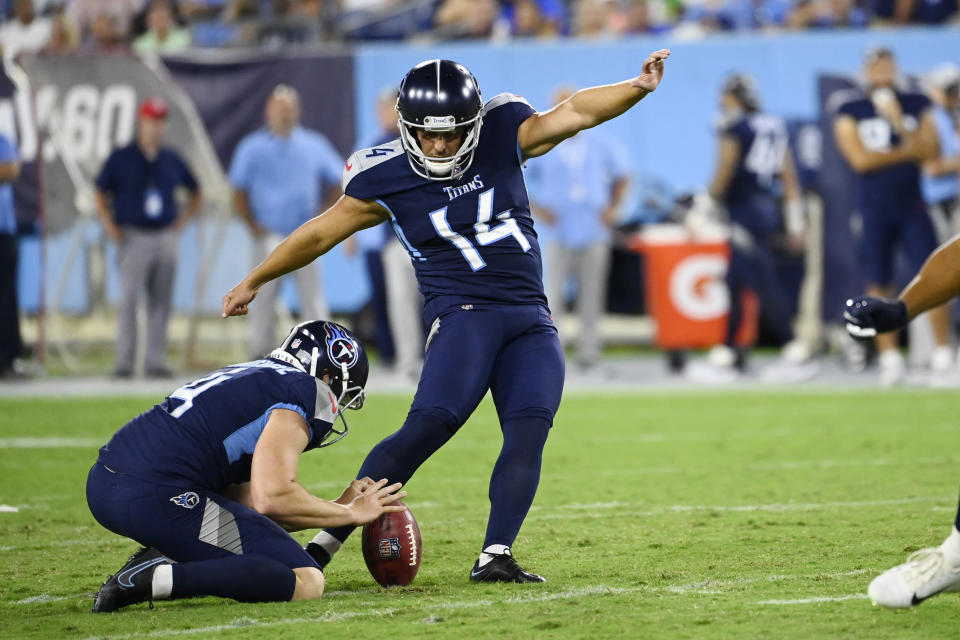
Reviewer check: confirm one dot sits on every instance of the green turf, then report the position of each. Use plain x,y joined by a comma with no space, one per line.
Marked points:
673,515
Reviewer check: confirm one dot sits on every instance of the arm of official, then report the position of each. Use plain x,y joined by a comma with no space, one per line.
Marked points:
310,241
587,108
275,492
859,157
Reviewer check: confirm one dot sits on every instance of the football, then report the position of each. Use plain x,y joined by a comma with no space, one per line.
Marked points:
392,549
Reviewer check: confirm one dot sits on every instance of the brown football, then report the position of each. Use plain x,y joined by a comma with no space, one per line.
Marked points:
392,549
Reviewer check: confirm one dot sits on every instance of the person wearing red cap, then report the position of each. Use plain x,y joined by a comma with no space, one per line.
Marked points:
135,202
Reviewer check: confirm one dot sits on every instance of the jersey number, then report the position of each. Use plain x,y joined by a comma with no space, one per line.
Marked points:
483,234
188,392
765,158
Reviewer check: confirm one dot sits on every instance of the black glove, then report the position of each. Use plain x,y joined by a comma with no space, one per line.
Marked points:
866,317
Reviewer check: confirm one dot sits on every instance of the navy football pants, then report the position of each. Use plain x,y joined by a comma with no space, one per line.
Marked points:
512,350
187,524
884,231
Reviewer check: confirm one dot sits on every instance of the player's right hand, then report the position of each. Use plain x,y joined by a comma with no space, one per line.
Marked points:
238,299
376,500
866,316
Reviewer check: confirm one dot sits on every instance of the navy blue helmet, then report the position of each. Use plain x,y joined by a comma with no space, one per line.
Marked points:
323,348
440,96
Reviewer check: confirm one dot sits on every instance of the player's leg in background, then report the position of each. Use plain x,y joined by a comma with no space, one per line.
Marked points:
262,323
10,342
404,309
133,264
313,302
159,299
221,548
773,303
378,301
461,351
592,273
526,386
877,246
557,276
919,240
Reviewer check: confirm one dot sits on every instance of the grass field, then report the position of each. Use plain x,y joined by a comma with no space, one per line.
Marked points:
678,515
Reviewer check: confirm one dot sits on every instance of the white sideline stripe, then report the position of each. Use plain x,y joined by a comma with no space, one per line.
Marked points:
709,587
64,543
49,443
852,596
45,597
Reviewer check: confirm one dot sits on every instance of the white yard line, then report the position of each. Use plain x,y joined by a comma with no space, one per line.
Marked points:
816,599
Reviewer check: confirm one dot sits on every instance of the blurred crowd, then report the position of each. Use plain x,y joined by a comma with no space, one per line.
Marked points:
167,26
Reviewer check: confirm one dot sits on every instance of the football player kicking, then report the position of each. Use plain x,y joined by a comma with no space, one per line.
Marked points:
206,480
929,571
452,187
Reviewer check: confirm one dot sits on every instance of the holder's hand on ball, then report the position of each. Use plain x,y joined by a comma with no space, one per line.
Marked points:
376,500
354,489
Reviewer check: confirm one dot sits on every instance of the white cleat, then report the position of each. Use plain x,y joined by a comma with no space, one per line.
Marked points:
925,574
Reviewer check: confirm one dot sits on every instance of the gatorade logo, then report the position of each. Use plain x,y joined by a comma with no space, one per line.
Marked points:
697,289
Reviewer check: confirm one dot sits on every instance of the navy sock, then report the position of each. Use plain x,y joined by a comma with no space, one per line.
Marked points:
398,455
515,477
247,578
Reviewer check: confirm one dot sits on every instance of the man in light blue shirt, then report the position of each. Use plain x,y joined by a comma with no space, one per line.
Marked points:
938,181
280,176
578,190
10,345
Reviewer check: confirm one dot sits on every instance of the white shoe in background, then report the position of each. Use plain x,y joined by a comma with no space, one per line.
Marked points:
893,368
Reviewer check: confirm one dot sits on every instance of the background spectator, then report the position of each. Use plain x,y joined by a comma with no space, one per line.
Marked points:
141,217
103,24
26,33
163,35
580,186
940,172
279,176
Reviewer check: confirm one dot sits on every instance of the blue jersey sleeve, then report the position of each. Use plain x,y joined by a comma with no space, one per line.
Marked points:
370,174
507,112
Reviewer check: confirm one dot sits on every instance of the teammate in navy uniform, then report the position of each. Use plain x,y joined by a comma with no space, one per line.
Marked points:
934,570
452,186
755,180
207,478
884,134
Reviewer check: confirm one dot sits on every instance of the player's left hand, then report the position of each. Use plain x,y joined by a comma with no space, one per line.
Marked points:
652,72
866,317
354,489
237,301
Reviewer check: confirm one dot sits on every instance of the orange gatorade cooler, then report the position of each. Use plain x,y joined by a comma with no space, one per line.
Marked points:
686,294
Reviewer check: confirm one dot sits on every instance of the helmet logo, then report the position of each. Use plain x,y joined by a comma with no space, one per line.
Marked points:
341,349
439,123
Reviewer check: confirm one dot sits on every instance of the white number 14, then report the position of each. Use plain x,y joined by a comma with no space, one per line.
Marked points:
484,235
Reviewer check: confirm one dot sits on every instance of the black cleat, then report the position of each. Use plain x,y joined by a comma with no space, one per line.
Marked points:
319,554
503,568
132,584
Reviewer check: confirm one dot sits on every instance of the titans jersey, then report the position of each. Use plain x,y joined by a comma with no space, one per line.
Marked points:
895,188
471,240
754,192
204,433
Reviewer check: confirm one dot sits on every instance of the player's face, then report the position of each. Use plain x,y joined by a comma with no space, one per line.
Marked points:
151,130
882,72
440,145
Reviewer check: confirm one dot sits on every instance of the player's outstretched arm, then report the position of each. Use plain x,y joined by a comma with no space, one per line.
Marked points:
588,107
937,282
310,241
275,492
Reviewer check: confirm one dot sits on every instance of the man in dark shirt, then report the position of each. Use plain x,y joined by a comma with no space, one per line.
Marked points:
141,217
884,134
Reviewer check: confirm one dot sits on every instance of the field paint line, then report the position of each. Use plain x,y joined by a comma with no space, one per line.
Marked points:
334,616
681,508
49,443
6,508
46,597
710,586
65,543
814,600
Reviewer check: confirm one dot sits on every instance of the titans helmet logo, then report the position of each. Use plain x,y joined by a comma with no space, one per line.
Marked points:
341,349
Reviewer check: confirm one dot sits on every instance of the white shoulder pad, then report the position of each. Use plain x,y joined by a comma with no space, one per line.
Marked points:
367,158
504,98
